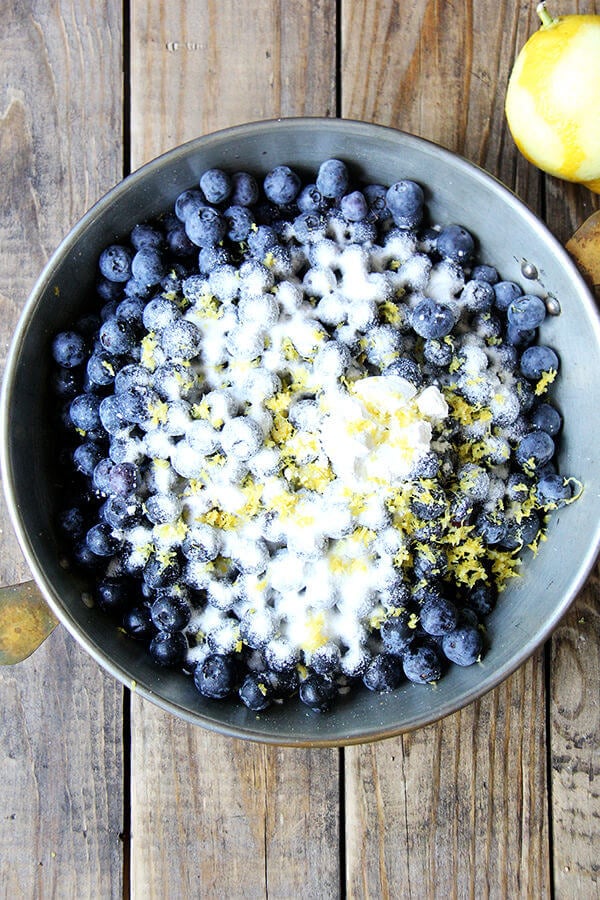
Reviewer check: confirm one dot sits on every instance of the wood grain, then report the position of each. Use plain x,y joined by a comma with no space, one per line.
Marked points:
61,807
218,817
574,694
215,63
466,798
462,800
575,747
247,820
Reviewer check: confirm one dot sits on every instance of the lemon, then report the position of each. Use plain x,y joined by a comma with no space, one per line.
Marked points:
553,98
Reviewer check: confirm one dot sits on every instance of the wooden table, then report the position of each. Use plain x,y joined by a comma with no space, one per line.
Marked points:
104,795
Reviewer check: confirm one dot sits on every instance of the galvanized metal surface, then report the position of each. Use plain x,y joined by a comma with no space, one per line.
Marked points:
509,236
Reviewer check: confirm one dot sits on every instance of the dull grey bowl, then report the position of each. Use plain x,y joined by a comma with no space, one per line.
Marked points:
508,235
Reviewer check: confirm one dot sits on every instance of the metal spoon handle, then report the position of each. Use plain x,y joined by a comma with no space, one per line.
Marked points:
25,622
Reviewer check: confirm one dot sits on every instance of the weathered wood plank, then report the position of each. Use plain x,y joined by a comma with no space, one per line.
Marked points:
60,753
246,819
455,809
575,747
216,63
574,734
218,817
465,799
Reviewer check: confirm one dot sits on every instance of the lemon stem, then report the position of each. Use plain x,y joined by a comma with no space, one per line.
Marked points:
544,15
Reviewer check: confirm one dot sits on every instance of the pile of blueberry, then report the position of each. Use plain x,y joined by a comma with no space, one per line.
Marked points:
109,396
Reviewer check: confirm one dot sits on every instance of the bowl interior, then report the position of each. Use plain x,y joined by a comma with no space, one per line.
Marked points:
507,235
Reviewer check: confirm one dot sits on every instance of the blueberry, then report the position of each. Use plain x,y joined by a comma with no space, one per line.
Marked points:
553,490
310,199
262,240
421,663
101,476
100,368
332,179
326,659
206,227
115,263
163,508
536,360
116,336
518,336
505,293
134,404
112,595
481,599
168,649
120,512
159,313
463,646
239,222
318,692
438,353
520,534
69,349
245,190
429,562
396,634
210,258
101,540
109,290
383,674
147,266
86,457
546,417
216,676
485,273
375,195
428,502
405,201
526,312
134,290
438,616
161,571
256,691
283,681
477,296
170,612
131,310
215,185
432,320
109,309
138,623
124,479
407,368
66,383
72,523
146,235
181,340
178,242
188,203
111,414
281,185
84,412
456,243
534,450
491,528
354,206
308,227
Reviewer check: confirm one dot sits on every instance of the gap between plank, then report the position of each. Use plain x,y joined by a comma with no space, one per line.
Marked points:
126,735
548,725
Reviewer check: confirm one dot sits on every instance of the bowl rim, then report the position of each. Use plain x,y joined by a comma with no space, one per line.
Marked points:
70,240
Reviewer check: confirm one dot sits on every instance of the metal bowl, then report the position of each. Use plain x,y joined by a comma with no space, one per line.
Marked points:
508,234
